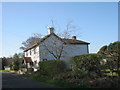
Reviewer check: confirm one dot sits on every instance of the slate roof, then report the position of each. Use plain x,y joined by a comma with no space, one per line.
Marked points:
73,41
66,41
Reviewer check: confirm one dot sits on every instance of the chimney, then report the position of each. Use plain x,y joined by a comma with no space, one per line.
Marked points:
74,37
50,30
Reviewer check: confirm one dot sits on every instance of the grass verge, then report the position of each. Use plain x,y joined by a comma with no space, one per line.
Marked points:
57,82
5,70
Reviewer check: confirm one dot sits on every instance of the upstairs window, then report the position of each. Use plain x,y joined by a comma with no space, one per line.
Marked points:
35,50
30,52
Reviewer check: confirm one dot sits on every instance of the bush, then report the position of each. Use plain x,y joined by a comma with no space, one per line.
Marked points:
88,62
17,63
51,67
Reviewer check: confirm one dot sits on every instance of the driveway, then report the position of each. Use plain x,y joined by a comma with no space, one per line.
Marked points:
11,80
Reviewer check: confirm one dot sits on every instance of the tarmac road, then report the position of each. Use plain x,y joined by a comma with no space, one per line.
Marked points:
11,80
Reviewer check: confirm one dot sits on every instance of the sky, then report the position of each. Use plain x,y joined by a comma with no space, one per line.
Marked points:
97,22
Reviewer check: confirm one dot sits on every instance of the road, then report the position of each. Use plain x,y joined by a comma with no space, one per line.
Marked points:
11,80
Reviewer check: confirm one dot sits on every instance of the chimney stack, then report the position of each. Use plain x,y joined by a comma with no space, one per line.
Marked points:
50,30
74,37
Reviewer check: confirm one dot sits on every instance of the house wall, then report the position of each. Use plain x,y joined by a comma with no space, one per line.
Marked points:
50,42
34,55
70,50
74,50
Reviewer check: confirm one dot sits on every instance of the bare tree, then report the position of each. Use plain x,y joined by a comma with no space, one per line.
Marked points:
30,40
69,29
55,48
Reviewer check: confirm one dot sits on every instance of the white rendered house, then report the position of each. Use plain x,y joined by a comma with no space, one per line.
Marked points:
53,47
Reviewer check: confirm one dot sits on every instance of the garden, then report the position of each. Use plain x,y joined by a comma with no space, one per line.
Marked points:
101,70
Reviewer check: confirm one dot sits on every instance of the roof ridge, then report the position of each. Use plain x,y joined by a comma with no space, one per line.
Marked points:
40,40
64,40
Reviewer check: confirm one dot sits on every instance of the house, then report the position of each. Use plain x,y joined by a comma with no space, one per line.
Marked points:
53,47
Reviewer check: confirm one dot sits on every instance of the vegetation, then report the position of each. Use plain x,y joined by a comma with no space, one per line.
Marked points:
6,62
54,48
99,70
51,67
17,62
88,63
5,70
57,82
112,54
30,41
13,62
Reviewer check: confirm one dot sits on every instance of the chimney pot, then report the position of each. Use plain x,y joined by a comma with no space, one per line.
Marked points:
50,30
74,37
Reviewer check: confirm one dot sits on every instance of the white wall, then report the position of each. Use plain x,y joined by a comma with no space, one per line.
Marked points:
70,50
50,42
75,49
34,56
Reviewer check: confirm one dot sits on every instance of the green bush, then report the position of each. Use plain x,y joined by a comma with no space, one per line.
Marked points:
88,62
51,67
17,63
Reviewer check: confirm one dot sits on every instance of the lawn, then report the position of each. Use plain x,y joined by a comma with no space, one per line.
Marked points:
56,82
83,82
5,70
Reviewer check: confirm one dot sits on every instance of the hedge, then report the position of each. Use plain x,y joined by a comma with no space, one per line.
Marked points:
88,62
51,67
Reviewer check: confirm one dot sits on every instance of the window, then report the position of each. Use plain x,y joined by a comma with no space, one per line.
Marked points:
35,61
30,52
35,50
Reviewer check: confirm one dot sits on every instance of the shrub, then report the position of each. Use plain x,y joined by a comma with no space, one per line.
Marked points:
51,67
88,62
17,63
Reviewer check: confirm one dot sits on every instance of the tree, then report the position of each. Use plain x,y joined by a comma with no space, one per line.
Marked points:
112,55
88,62
30,41
103,50
21,55
69,29
55,49
3,62
6,61
17,62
